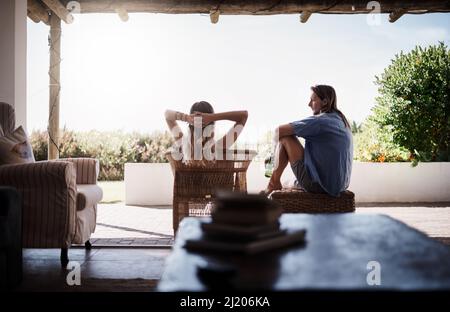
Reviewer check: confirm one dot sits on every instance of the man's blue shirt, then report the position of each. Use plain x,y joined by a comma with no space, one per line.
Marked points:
328,150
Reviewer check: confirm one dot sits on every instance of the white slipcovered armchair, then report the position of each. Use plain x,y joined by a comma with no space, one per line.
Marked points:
59,197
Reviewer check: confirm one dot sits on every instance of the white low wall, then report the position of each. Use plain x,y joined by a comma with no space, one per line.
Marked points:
399,182
152,184
148,184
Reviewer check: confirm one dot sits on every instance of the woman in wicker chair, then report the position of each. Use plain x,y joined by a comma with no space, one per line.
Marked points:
199,163
324,164
199,144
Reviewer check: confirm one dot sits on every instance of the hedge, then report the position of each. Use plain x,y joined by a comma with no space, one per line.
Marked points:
113,149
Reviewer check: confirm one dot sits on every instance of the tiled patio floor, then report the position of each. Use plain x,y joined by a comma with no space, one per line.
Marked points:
121,225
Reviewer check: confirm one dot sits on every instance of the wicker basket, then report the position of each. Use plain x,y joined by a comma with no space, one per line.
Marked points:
296,200
197,182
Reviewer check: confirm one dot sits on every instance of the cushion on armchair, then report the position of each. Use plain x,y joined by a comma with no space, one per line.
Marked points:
15,148
88,195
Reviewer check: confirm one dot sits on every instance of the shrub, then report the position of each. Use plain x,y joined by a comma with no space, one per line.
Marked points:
375,144
113,149
414,102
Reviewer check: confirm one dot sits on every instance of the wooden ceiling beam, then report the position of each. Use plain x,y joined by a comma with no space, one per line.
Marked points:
60,10
214,16
123,14
37,12
33,17
305,16
394,16
259,7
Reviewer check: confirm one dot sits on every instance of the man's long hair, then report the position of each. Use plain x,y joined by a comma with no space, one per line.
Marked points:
328,96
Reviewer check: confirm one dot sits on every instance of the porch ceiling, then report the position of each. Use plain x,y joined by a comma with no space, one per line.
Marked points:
38,10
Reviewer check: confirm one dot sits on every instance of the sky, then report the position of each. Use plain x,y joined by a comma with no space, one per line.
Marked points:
123,75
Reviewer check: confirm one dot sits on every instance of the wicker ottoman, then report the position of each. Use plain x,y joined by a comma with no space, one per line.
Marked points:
296,200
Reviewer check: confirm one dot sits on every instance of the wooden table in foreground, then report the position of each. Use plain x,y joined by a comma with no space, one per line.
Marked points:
338,255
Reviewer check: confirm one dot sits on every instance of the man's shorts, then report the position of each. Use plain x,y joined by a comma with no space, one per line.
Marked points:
304,180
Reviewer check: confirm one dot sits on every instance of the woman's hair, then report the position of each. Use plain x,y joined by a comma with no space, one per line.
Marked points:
328,97
201,107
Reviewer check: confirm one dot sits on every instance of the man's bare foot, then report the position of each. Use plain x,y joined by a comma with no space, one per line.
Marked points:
270,188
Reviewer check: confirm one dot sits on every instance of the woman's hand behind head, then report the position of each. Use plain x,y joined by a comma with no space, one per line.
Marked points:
190,119
206,118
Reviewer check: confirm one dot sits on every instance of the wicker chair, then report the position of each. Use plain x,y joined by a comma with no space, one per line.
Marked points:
197,182
297,200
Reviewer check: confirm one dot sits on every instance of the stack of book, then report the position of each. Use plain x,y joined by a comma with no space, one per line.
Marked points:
244,223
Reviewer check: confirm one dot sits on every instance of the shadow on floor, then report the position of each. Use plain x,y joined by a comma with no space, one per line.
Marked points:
134,230
99,270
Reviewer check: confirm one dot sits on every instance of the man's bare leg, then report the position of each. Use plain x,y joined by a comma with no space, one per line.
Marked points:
289,150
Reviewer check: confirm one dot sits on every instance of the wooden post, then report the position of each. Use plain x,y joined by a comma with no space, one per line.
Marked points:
55,86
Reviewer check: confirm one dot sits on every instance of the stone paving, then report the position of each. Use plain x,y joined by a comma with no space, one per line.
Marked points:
121,225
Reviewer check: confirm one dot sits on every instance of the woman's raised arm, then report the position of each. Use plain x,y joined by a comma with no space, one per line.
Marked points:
171,120
239,117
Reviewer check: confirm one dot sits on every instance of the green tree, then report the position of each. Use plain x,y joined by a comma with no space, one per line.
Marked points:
414,102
